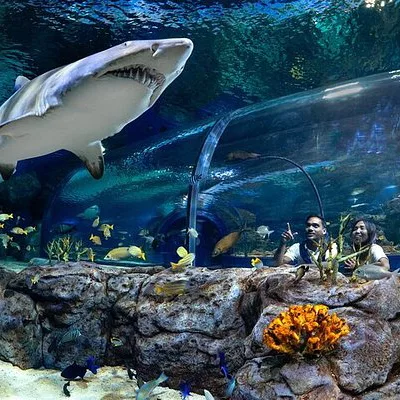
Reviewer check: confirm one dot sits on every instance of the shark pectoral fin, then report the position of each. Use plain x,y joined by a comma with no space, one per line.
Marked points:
92,156
20,82
6,170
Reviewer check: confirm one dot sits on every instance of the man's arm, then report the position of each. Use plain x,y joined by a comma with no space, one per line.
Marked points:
279,256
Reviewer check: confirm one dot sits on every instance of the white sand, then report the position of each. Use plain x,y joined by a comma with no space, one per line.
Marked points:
110,383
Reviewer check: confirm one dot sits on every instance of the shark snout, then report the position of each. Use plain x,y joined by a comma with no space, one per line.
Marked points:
184,45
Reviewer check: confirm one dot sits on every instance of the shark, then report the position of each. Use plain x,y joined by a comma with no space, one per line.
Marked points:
75,106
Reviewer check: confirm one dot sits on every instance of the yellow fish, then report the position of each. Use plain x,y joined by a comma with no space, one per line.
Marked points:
137,252
171,288
18,231
118,253
186,259
1,226
106,226
90,253
30,229
95,239
35,279
5,217
256,262
106,233
226,243
96,222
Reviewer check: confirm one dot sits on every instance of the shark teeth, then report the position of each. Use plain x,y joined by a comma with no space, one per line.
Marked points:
141,74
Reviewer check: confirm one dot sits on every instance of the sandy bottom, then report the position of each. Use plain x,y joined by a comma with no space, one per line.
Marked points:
110,383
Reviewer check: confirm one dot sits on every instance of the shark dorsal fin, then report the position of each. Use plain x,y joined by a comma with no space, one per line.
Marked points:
20,81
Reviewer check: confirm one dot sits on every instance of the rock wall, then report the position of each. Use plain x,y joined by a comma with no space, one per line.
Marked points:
221,310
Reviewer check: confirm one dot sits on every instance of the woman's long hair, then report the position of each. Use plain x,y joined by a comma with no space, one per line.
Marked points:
371,230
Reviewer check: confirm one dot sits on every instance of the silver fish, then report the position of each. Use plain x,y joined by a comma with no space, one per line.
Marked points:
146,389
75,106
372,272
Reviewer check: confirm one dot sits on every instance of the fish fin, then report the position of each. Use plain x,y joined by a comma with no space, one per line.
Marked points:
20,82
6,170
92,156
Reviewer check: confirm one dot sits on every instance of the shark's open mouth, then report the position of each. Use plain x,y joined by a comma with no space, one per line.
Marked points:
140,73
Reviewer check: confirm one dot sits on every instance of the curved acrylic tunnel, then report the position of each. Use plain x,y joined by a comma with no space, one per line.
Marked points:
346,137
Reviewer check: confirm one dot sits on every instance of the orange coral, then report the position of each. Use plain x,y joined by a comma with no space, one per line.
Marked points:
305,329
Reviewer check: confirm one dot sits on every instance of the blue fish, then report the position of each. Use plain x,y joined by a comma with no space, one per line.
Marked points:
185,390
222,365
91,366
73,371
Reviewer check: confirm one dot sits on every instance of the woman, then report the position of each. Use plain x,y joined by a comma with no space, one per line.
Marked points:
363,235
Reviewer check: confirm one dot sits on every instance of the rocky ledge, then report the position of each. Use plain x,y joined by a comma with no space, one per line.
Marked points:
123,319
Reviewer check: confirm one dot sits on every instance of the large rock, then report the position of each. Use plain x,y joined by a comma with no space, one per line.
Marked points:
125,321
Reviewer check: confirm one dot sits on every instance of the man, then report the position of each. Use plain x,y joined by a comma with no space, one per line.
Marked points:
300,253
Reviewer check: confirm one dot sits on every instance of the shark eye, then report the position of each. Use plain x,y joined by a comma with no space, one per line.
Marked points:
154,47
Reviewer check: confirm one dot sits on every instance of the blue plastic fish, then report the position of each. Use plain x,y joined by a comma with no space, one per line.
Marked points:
91,366
145,390
185,390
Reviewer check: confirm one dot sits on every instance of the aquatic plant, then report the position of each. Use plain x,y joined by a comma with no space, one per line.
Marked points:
333,249
65,247
305,330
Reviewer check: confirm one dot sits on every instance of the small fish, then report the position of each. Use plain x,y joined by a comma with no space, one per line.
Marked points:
372,272
1,226
223,366
106,233
143,232
131,374
91,366
15,245
95,239
96,222
30,229
70,336
28,248
300,272
145,390
359,205
5,217
18,231
90,213
90,254
256,263
35,279
5,239
264,231
103,227
230,387
119,253
357,191
241,155
73,371
208,395
65,389
137,252
64,228
193,233
184,388
116,342
224,244
174,288
186,259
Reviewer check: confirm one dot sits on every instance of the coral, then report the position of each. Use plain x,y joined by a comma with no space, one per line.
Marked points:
305,329
65,247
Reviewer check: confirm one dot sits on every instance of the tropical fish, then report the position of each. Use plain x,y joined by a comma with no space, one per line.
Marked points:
73,371
208,395
4,239
119,253
64,228
186,259
1,226
230,387
91,366
357,191
90,254
137,252
241,155
224,244
223,366
96,222
76,106
103,227
116,341
106,233
264,231
300,272
69,336
18,231
95,239
65,389
15,246
30,229
35,279
89,213
359,205
174,288
131,374
372,272
184,388
147,389
256,263
5,217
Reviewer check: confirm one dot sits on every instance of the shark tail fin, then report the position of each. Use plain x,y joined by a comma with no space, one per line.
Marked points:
6,170
92,156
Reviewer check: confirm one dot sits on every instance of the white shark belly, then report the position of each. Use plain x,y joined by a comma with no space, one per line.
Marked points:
90,112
